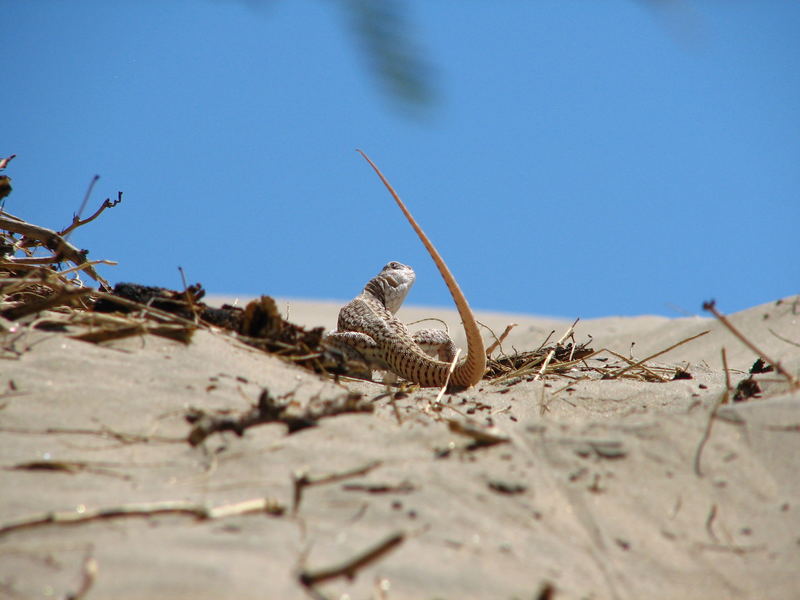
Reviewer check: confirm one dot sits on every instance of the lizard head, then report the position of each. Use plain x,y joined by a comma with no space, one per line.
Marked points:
392,284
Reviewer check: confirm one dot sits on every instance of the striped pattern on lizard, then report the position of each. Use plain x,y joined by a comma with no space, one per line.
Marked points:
368,330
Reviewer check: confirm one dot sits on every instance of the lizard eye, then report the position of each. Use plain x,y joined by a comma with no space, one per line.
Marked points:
393,265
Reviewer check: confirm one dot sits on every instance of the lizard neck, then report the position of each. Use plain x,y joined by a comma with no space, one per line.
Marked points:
391,286
375,289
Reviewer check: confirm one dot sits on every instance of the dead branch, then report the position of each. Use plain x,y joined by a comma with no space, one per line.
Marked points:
498,341
88,575
546,591
200,512
783,339
53,242
723,399
731,548
86,197
521,364
144,308
67,296
480,434
173,331
633,364
270,410
5,189
712,308
404,487
16,261
4,161
104,432
302,480
712,514
350,567
552,352
418,321
656,355
189,296
447,379
78,222
65,466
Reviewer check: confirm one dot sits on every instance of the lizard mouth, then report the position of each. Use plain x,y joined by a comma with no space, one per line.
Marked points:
392,281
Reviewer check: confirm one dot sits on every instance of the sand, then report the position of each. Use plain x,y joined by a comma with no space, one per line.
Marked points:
598,491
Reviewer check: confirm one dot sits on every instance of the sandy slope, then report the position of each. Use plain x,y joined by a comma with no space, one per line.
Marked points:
597,490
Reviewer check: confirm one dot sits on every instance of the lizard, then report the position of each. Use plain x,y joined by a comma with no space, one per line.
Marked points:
368,329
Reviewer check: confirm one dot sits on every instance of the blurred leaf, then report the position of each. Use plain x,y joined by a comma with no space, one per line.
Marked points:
383,29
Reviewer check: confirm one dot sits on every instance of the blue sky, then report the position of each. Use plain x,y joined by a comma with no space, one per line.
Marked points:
575,159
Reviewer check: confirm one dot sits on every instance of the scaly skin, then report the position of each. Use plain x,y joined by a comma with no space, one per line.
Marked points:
369,327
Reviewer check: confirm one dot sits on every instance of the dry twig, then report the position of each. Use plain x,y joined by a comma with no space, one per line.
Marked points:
146,509
62,249
88,575
616,374
552,353
480,434
4,161
270,410
67,295
447,379
105,432
77,222
499,340
712,308
302,480
723,399
783,339
648,371
523,364
349,568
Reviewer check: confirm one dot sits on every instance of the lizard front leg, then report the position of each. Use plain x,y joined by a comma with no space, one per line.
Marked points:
358,347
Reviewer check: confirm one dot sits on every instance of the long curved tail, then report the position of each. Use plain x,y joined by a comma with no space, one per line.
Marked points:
469,371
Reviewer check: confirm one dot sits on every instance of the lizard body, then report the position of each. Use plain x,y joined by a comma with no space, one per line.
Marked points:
368,328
